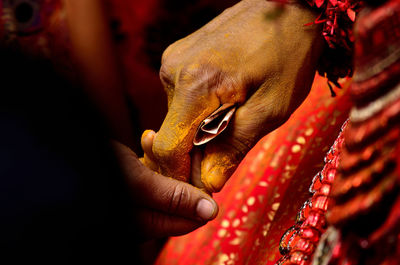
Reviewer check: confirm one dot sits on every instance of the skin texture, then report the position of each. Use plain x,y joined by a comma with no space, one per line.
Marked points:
256,54
164,206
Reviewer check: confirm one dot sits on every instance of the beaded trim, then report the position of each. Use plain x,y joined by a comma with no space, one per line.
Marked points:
299,242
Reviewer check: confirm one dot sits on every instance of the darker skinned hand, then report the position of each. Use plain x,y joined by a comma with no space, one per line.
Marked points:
165,206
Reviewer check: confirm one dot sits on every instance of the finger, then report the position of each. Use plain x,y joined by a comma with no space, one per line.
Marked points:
173,197
195,179
251,122
195,98
219,163
155,224
147,145
174,140
164,194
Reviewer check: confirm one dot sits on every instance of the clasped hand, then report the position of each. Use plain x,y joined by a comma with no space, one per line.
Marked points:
257,55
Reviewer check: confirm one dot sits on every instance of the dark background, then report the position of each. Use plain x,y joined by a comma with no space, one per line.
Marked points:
62,197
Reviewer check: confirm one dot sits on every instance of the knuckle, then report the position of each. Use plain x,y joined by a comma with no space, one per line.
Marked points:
167,52
200,77
166,76
169,64
231,89
171,53
179,199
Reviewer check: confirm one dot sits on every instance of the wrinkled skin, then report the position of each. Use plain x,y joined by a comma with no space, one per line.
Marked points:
258,55
163,206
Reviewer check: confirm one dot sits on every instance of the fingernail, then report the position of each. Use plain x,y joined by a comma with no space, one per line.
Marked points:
205,209
146,135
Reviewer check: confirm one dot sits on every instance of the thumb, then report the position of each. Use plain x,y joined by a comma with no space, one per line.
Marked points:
160,193
147,144
173,197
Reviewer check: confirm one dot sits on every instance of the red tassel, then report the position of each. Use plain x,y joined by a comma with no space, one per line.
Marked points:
319,3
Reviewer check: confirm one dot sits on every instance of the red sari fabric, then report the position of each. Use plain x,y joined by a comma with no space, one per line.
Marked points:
261,200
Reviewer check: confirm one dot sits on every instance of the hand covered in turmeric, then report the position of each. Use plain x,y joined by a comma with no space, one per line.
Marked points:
257,55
